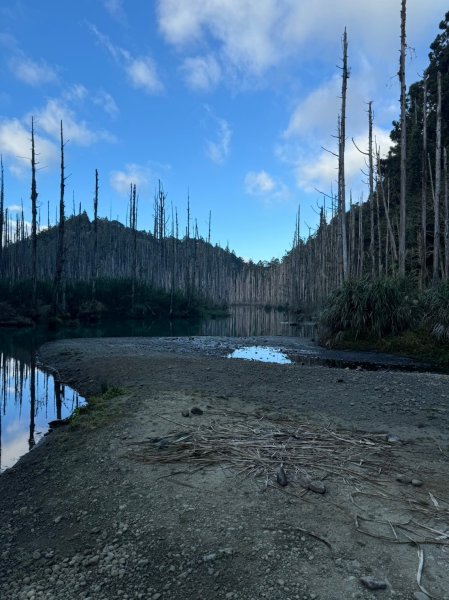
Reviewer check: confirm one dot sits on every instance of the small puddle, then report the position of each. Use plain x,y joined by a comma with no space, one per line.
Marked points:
261,354
30,398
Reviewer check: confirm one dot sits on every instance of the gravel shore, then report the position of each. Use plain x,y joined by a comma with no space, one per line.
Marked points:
84,516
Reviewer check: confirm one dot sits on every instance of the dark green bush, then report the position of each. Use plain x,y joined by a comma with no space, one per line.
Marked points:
436,311
372,308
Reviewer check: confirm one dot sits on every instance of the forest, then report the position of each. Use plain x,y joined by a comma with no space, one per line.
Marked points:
377,267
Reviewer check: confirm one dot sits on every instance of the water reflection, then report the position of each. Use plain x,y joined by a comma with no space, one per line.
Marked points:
261,354
247,321
30,398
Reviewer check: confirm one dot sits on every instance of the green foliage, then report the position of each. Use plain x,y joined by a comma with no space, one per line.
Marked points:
436,311
372,309
99,410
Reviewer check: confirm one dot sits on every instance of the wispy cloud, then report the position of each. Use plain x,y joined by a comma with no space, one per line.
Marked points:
32,72
201,73
115,9
75,130
15,141
133,173
218,148
262,184
107,103
140,70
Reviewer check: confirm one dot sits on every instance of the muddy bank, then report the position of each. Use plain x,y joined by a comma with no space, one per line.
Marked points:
84,517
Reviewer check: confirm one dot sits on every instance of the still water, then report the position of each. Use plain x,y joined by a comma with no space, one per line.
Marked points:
31,398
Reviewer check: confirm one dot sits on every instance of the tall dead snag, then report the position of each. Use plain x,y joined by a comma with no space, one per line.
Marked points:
33,218
371,187
94,259
403,167
446,217
423,246
59,297
341,160
2,208
437,195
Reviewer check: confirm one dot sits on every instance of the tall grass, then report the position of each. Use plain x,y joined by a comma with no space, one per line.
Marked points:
436,311
372,308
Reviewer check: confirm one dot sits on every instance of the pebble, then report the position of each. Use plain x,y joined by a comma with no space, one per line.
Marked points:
403,479
196,410
417,482
57,520
420,596
317,486
186,413
372,583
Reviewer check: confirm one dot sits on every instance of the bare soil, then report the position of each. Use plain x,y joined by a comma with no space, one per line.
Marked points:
96,511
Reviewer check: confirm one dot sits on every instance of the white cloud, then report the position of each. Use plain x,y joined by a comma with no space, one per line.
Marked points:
262,184
218,149
115,9
75,93
255,36
319,169
142,74
259,182
140,175
32,72
14,208
15,142
202,73
107,103
140,70
76,131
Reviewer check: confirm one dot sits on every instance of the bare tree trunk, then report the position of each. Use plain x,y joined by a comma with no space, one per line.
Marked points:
94,260
371,188
446,217
437,197
33,218
424,190
59,295
341,160
2,221
402,206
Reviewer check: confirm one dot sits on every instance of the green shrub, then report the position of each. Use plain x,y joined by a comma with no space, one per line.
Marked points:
372,308
436,311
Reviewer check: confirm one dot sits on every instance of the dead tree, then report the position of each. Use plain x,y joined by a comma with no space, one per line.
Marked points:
2,205
33,218
371,187
446,217
59,292
341,160
94,260
437,195
423,246
403,163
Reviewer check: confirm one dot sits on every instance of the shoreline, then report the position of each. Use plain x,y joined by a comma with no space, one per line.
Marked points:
109,526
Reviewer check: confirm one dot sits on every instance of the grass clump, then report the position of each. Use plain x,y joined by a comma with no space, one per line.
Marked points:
98,412
371,309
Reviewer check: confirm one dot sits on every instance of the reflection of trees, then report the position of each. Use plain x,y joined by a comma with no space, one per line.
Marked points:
28,392
31,440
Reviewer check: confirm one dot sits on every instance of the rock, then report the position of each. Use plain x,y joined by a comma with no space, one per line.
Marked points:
209,557
57,520
196,410
281,477
417,482
420,596
403,479
317,486
186,413
36,555
392,439
372,583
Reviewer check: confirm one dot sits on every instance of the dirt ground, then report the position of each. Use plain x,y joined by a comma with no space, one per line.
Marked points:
149,500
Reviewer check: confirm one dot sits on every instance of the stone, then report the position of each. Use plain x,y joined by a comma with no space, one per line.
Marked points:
372,583
417,482
186,413
281,477
420,596
317,486
196,410
403,479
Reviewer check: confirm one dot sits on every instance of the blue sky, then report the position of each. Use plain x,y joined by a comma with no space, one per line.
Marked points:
229,99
